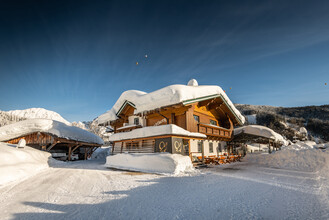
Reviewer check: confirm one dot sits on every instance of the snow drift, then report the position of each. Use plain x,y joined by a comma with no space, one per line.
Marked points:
56,128
161,163
19,163
302,156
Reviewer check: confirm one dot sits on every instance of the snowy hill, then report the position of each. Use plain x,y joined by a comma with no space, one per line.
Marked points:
294,123
31,113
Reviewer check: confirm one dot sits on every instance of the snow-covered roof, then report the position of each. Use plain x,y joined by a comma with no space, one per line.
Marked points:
56,128
32,113
167,96
261,131
153,131
127,126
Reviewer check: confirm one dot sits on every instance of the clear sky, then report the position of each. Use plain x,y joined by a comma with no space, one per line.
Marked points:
77,57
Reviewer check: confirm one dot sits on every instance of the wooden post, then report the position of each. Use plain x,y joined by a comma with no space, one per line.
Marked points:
202,150
85,153
113,147
70,151
189,148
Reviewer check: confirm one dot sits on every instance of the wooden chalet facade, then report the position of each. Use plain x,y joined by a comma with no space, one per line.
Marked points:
211,117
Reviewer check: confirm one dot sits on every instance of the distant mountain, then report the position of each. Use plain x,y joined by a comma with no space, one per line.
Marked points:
293,123
8,117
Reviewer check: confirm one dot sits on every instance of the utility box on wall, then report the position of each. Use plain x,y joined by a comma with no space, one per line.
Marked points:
172,145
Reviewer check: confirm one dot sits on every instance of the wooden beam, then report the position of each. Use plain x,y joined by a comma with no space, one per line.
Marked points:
167,119
52,145
66,141
172,118
75,148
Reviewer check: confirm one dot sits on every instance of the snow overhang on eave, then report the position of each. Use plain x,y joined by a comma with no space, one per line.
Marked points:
124,105
159,136
190,101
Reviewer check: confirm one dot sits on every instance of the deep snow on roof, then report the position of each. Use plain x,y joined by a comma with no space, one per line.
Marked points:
261,131
152,131
56,128
167,96
33,113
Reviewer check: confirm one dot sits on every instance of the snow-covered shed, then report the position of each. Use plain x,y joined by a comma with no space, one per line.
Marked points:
52,136
257,134
203,115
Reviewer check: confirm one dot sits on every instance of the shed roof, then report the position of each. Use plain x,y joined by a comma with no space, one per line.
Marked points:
52,127
258,131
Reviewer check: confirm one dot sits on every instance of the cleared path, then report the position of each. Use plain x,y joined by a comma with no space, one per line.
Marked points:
86,190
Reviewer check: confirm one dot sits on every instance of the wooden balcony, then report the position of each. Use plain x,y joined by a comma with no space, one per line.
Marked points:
215,131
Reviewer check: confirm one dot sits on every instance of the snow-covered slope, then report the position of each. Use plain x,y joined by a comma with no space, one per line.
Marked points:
20,163
56,128
32,113
289,122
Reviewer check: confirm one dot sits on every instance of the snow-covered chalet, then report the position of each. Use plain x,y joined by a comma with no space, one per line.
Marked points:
188,119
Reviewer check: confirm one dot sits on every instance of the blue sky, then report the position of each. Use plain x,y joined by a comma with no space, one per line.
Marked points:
77,57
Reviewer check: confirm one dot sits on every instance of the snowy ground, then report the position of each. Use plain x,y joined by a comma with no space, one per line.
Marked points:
88,190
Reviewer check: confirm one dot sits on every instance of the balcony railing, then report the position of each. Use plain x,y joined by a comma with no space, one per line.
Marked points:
215,131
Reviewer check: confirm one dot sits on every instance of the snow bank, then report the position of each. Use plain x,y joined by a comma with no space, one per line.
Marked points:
300,156
101,152
152,131
56,128
33,113
262,131
18,163
161,163
166,96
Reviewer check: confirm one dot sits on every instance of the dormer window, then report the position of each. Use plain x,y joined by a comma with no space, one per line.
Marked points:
136,121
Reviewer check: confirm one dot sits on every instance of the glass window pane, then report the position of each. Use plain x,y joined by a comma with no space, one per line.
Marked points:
196,118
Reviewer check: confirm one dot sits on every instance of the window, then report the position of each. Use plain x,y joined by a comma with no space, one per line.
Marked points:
213,122
211,148
136,121
219,147
197,118
200,147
